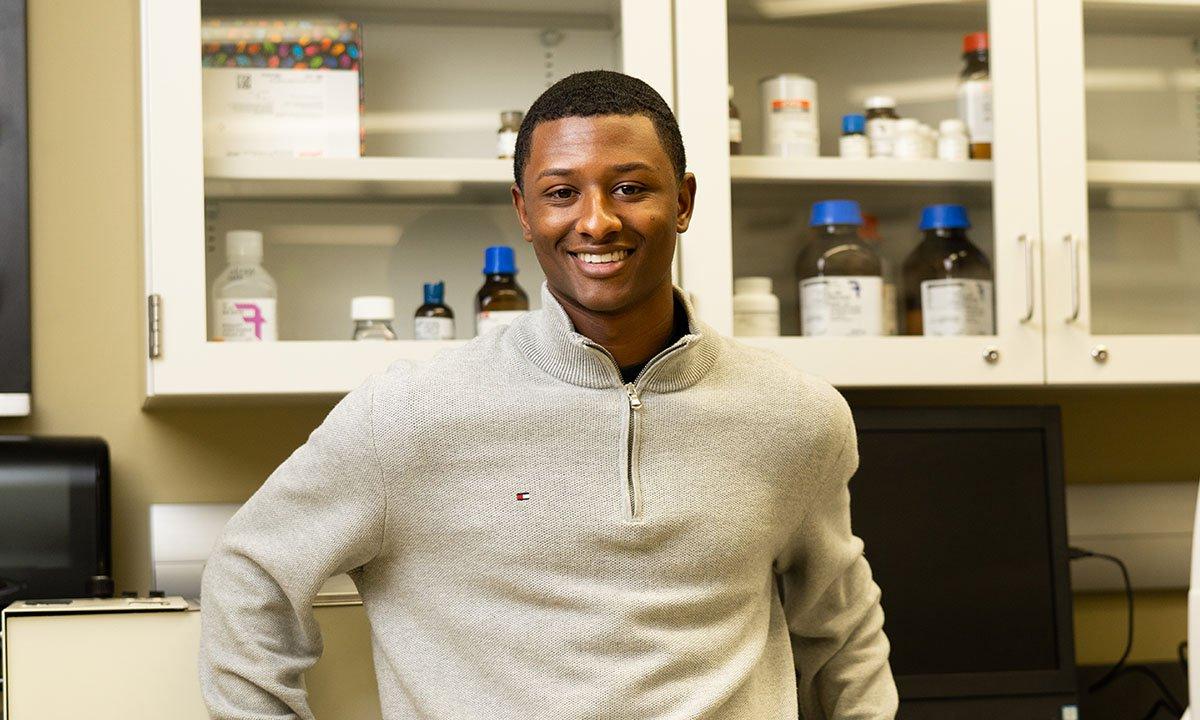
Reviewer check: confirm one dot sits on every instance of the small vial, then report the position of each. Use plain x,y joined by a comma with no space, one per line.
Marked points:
506,137
373,316
735,127
908,143
243,295
755,308
952,140
501,300
434,320
881,124
853,143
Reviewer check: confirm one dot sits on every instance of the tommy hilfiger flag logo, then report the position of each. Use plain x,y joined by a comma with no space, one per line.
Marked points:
522,496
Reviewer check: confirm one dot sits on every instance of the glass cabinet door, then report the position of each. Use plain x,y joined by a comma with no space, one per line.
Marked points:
1120,119
792,71
363,141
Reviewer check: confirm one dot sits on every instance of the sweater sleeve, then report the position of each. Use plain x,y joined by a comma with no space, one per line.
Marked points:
321,513
832,604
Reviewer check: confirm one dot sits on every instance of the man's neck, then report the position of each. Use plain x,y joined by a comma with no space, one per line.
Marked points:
632,336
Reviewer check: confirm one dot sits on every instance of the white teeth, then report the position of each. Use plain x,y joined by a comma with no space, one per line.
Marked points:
605,258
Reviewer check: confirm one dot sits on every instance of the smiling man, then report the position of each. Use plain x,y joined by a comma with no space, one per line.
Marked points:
585,514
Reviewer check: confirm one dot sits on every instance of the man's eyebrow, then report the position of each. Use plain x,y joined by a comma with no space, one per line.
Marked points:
566,172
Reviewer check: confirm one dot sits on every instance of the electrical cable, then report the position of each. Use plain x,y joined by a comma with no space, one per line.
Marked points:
1167,700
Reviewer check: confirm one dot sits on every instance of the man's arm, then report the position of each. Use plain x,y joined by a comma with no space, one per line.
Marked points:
832,604
321,513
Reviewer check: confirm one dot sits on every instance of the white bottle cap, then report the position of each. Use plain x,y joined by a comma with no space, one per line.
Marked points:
243,245
372,307
752,285
878,102
952,125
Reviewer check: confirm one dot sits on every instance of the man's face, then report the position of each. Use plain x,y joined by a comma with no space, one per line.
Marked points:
602,207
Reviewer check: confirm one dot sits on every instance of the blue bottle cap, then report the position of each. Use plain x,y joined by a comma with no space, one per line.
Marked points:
944,217
435,292
835,212
499,260
854,124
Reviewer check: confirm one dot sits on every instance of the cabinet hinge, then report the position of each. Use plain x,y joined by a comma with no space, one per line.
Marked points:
154,318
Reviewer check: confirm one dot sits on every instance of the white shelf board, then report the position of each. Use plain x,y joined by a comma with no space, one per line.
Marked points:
362,178
759,168
1116,173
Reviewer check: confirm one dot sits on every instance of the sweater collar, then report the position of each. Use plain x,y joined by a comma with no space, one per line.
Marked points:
549,340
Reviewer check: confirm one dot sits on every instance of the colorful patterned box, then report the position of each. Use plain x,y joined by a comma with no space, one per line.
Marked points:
282,87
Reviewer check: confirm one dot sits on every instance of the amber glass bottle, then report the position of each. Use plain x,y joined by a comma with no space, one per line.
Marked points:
975,95
947,279
501,300
841,277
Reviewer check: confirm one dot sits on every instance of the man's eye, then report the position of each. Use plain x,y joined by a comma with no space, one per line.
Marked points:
628,189
562,193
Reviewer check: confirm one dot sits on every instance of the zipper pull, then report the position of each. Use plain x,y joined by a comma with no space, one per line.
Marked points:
635,402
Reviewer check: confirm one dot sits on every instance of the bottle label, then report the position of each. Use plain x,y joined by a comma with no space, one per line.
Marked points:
735,130
246,320
489,319
975,109
957,307
756,324
791,127
841,306
854,147
882,135
506,144
433,328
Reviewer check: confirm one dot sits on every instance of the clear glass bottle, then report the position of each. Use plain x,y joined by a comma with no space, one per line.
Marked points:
841,276
434,320
735,127
373,316
975,95
501,300
244,294
506,136
947,279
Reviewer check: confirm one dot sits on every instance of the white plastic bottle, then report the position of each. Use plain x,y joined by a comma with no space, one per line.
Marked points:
243,295
373,316
952,140
755,308
907,142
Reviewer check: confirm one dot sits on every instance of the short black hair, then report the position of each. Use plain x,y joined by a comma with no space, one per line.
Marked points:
600,92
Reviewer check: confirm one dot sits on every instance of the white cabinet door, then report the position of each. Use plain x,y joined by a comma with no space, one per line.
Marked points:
420,205
1121,181
752,209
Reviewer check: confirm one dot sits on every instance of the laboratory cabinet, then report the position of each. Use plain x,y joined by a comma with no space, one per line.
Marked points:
1086,208
417,202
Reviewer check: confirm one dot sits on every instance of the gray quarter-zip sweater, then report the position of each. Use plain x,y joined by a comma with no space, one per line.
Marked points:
533,539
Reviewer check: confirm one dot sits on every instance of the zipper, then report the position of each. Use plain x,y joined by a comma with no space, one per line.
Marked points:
635,404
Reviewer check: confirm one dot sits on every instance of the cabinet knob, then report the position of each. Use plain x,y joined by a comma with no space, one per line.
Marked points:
991,355
1100,354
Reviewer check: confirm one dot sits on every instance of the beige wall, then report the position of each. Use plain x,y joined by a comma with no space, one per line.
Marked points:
89,358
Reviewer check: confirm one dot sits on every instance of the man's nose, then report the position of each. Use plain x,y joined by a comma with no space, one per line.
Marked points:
597,219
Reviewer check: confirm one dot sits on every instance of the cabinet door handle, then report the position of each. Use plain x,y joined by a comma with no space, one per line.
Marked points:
1072,242
1027,243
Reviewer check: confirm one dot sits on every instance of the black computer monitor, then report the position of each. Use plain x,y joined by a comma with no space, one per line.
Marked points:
962,514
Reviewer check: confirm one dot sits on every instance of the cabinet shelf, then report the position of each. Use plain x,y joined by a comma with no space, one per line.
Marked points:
1118,173
456,179
763,169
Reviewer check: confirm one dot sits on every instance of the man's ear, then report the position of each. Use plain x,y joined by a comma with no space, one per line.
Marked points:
518,199
686,202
